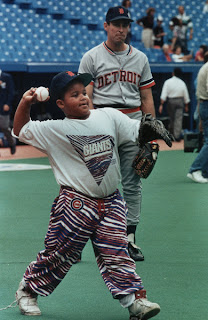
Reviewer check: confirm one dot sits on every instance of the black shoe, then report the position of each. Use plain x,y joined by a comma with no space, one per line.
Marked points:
13,149
135,253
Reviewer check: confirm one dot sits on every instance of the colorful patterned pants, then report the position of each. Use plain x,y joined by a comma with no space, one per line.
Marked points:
76,218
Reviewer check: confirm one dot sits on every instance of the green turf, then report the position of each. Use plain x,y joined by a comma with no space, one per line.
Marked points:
172,234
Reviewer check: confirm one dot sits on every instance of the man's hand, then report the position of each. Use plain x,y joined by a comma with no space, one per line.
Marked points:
6,108
160,108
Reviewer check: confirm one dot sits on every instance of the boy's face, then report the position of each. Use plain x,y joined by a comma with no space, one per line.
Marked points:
75,103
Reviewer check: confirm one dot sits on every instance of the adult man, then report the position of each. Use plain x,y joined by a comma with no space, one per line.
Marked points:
198,171
175,91
186,23
147,22
159,33
6,97
165,53
122,80
180,37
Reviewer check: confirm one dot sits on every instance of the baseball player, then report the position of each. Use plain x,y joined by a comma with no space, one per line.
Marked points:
122,80
83,152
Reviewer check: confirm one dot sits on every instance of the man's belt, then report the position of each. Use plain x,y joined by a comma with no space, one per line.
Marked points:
123,108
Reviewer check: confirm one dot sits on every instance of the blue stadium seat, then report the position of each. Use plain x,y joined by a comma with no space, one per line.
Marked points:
63,30
40,6
26,2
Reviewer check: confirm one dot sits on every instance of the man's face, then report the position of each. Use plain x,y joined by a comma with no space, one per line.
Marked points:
128,4
165,49
117,30
178,50
181,9
75,103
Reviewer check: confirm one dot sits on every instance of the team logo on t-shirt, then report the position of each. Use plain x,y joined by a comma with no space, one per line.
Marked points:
96,152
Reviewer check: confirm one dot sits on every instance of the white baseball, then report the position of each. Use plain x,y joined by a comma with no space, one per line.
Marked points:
42,93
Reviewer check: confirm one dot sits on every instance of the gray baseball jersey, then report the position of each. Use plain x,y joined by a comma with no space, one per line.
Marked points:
118,76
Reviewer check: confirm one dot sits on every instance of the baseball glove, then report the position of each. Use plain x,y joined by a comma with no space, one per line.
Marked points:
152,129
145,159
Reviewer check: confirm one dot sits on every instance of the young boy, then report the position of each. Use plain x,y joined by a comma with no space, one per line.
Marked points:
83,152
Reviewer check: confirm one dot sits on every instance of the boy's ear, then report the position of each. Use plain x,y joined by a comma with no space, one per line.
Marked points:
60,103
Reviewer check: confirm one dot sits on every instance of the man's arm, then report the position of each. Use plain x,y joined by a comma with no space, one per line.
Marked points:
147,103
86,66
89,90
191,34
186,107
187,57
161,106
22,114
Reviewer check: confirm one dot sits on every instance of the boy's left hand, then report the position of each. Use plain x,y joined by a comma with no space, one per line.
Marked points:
151,129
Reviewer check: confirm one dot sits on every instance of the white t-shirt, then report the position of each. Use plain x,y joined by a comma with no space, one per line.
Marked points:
84,153
177,57
175,88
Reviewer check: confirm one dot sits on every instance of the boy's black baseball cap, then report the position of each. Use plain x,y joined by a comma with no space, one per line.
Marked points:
118,13
62,79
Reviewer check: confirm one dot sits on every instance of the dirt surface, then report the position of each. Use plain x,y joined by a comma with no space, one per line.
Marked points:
27,152
22,152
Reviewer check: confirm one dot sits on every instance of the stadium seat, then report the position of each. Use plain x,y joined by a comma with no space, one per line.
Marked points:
79,25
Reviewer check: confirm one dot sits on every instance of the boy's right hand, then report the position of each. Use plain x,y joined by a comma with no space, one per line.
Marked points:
30,96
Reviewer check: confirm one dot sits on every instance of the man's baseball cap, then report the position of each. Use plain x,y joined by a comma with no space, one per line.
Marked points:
118,13
62,79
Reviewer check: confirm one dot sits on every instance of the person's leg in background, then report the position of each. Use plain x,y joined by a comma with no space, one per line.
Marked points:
198,171
5,129
178,120
171,114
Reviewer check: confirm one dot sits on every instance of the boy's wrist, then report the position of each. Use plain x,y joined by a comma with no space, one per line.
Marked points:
26,102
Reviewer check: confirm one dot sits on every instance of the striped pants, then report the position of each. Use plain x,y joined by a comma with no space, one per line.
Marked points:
76,218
